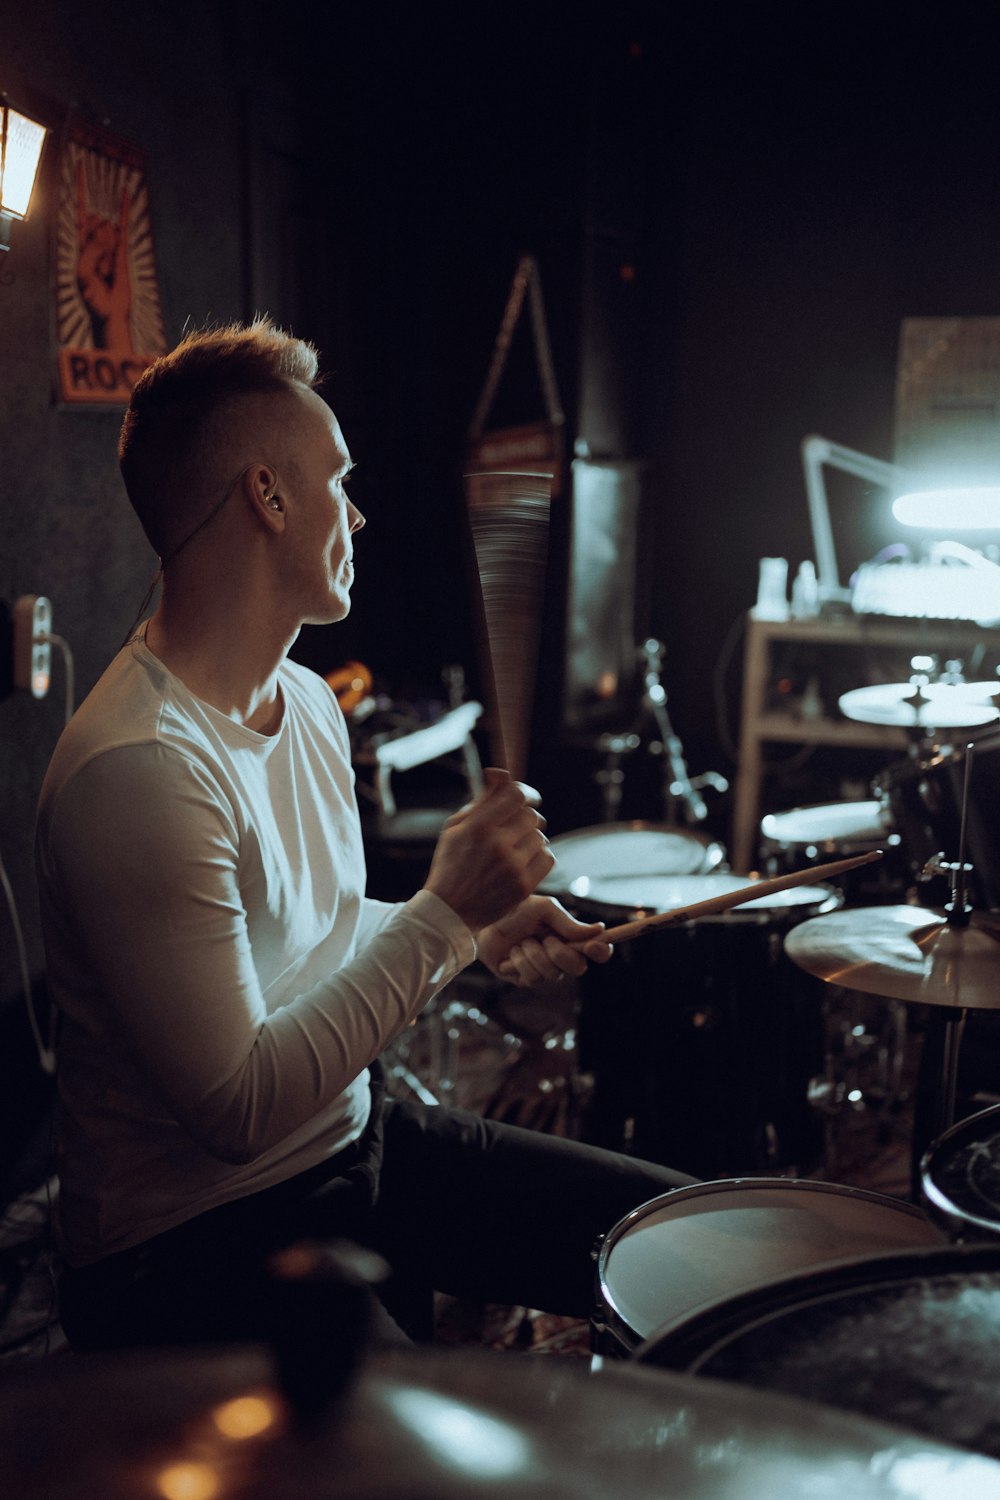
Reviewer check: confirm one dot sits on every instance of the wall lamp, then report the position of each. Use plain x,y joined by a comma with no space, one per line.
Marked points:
21,142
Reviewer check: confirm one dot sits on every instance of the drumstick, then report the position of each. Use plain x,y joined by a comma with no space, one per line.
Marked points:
629,930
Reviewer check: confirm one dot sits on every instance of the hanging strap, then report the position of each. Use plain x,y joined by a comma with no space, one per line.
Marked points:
526,278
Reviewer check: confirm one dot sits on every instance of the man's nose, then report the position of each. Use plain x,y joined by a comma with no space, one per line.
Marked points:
357,520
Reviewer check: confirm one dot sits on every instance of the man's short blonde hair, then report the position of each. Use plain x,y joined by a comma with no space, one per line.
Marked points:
175,405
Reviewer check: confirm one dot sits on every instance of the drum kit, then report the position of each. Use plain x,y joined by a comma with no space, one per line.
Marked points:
671,1034
850,1337
813,1289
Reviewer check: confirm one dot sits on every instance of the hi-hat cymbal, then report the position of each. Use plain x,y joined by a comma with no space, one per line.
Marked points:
444,1425
903,953
937,705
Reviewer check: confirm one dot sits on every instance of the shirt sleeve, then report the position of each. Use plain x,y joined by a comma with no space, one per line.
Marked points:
146,886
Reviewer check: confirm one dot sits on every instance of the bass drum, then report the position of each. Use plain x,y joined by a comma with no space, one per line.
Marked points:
924,799
908,1338
701,1039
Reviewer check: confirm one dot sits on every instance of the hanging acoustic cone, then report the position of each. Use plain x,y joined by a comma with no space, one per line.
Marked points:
512,476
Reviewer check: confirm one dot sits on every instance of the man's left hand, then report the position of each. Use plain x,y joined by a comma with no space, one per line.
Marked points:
539,942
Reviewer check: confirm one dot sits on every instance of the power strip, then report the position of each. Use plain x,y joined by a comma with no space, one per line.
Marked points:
32,646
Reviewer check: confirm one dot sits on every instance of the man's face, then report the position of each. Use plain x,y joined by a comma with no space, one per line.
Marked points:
321,518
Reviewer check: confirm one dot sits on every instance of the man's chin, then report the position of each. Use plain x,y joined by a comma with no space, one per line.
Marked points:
330,614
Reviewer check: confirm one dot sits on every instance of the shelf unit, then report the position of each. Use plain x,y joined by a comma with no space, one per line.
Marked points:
760,725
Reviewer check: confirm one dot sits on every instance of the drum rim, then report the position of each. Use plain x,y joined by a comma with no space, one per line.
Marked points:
934,1195
694,1339
608,1307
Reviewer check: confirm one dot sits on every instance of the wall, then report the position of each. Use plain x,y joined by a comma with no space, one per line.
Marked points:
175,80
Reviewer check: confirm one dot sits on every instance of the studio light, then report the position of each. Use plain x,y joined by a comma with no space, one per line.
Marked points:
964,508
21,141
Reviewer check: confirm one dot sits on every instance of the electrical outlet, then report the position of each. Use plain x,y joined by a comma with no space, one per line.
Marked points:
32,647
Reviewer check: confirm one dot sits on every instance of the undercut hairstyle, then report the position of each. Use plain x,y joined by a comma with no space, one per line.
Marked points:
171,427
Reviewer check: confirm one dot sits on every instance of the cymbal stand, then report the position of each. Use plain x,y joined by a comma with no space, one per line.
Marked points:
958,912
679,787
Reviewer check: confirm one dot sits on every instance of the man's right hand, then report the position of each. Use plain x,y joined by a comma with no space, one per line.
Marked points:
491,854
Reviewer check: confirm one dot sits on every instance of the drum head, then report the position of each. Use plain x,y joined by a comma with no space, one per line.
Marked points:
833,825
960,1177
701,1243
909,1338
624,851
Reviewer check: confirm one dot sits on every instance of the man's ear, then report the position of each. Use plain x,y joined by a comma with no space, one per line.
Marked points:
260,485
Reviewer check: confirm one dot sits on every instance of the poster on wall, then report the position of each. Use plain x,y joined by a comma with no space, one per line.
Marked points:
108,321
948,399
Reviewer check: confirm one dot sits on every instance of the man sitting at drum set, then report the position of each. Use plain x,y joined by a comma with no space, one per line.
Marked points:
225,987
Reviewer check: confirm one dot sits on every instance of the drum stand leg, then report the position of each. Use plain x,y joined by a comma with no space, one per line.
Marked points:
954,1029
936,1103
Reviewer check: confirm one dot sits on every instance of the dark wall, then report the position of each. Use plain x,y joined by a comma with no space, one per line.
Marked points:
794,181
184,82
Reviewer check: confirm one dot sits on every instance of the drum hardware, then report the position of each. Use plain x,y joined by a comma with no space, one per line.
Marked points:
927,795
692,1247
611,778
679,787
864,1059
951,964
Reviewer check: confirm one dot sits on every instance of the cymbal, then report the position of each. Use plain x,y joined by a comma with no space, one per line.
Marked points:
443,1424
939,705
903,953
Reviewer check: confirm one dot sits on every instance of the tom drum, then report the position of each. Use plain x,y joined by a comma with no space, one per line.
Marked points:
690,1248
701,1039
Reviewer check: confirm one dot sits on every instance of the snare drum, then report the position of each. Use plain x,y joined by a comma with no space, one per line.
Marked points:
701,1039
696,1245
960,1177
924,796
619,854
909,1338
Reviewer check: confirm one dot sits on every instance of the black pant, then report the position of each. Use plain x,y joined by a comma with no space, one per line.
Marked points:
454,1203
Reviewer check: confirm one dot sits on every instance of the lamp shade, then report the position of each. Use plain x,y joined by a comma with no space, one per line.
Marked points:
965,508
21,143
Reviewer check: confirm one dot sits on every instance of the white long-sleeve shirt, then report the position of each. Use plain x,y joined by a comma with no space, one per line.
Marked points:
222,980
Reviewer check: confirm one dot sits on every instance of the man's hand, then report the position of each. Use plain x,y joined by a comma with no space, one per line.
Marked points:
540,942
491,855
